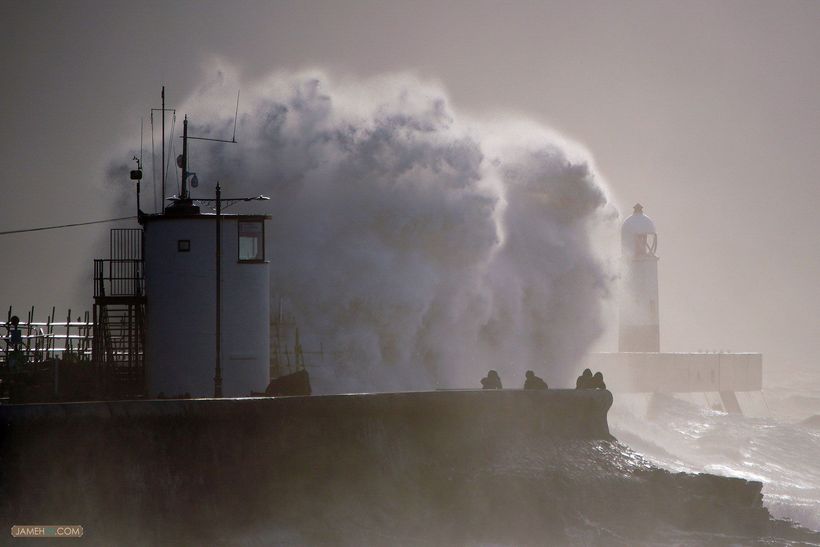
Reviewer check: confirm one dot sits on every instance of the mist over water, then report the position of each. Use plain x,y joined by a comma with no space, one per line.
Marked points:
420,246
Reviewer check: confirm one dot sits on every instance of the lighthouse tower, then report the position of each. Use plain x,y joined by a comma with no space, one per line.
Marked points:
639,328
639,366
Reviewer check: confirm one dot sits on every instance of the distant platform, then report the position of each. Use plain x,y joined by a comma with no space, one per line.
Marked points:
679,372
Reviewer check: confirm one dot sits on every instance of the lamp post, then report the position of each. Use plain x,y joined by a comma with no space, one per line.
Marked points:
218,372
231,201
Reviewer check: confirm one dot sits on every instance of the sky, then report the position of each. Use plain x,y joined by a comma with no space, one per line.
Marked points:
707,113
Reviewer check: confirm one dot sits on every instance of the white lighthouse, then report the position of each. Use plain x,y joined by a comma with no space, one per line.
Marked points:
638,366
639,326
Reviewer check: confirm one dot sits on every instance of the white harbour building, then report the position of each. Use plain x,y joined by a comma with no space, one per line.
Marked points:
181,300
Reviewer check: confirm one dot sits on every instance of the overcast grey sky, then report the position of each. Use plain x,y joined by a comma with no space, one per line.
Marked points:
706,112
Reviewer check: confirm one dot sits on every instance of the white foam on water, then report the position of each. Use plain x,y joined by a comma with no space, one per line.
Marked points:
678,435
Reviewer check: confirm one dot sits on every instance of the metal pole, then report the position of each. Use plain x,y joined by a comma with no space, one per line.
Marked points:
163,149
218,374
184,166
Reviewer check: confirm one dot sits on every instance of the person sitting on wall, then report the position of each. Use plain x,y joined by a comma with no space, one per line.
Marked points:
534,382
598,381
584,381
492,381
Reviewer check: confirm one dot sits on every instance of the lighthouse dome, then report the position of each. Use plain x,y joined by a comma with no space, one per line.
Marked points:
638,236
638,223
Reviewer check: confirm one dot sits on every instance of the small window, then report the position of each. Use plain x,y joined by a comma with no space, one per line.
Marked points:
184,245
251,240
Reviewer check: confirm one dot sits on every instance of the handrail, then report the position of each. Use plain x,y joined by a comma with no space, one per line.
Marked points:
118,277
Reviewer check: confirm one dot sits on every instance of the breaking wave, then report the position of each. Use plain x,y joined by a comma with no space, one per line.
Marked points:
421,246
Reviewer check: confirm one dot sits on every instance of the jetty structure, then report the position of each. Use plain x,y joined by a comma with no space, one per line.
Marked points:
639,366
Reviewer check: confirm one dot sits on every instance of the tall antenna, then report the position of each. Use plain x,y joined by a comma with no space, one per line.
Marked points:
183,202
235,116
184,166
163,144
142,131
164,169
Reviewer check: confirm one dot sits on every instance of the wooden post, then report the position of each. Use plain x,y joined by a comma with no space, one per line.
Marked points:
86,341
6,348
28,333
56,379
130,341
67,347
95,342
50,332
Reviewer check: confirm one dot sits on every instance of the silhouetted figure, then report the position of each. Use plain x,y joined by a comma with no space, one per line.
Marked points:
598,381
534,382
584,381
492,381
15,337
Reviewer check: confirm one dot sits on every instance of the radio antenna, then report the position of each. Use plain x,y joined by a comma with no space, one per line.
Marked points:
164,165
233,138
235,116
142,132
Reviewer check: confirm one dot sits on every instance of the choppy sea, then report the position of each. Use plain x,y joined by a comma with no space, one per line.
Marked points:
776,441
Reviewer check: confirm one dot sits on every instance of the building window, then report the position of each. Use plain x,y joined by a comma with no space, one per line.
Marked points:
184,245
251,241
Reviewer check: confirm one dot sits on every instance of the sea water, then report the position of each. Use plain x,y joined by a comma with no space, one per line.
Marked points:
777,442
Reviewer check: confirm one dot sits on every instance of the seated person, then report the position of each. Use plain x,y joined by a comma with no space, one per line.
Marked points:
598,381
492,381
584,381
534,382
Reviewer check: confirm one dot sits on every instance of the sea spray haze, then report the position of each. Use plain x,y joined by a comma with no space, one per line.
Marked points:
422,247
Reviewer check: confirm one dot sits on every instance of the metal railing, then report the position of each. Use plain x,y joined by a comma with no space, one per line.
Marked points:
118,277
40,341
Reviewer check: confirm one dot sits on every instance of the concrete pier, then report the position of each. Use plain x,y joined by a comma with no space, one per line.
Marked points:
445,467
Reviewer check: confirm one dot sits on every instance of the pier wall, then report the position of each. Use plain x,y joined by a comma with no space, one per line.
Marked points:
111,465
446,467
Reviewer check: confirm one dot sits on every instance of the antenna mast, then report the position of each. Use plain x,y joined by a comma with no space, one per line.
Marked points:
235,116
184,162
163,146
163,166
